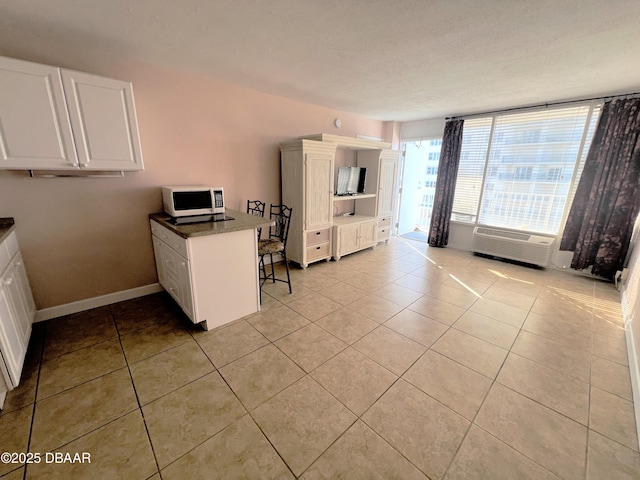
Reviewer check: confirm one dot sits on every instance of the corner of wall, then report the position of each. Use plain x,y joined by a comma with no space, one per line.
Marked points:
632,354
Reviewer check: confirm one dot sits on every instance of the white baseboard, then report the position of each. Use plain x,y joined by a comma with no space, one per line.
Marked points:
634,368
95,302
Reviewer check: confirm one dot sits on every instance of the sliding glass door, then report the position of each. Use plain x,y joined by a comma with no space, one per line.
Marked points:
419,175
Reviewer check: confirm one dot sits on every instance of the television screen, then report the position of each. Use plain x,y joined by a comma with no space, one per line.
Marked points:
351,180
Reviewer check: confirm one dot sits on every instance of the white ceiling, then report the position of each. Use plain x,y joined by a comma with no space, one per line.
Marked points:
386,59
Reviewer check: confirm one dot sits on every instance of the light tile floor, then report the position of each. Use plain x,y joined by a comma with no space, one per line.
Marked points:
399,362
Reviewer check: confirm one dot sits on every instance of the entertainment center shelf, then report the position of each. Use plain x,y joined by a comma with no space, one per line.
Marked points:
340,198
310,167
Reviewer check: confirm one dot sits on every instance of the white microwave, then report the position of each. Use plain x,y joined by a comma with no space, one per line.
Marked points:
182,201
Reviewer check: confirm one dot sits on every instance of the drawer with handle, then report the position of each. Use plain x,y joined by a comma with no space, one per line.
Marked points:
174,240
384,222
319,251
317,237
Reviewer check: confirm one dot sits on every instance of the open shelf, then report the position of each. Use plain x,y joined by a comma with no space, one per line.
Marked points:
339,198
349,219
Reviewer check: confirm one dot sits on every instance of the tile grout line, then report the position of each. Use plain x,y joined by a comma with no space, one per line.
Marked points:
399,377
135,391
35,396
308,374
484,398
588,439
248,412
493,382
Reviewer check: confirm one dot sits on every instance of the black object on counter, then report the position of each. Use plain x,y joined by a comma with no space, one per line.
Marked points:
216,217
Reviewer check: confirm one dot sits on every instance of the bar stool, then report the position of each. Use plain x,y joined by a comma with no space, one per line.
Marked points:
256,208
276,243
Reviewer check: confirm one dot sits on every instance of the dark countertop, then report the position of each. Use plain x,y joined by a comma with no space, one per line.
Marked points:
7,225
241,221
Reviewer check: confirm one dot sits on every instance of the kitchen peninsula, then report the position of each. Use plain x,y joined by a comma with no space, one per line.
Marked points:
210,268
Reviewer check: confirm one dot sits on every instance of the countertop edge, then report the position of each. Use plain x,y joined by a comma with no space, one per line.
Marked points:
7,225
241,221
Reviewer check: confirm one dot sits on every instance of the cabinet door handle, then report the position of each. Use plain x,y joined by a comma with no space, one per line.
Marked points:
317,248
318,233
183,264
8,281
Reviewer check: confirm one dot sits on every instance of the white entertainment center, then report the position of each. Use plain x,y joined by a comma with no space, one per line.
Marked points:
325,225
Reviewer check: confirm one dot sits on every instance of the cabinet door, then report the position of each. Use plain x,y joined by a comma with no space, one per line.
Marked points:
104,122
186,292
349,240
388,171
12,344
19,294
157,252
318,190
35,132
177,278
367,234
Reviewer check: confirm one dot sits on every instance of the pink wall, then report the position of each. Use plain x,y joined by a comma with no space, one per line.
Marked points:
83,237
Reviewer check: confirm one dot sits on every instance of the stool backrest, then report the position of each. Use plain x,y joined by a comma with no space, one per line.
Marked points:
255,207
281,215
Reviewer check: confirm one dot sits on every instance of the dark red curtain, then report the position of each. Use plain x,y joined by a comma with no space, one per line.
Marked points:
601,218
446,183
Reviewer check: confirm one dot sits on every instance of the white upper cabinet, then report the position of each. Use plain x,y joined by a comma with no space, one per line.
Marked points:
56,119
35,130
103,119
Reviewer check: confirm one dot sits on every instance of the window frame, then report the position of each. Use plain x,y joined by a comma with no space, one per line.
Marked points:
595,106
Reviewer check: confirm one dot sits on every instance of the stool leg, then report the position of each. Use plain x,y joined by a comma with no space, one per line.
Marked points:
273,272
286,265
264,270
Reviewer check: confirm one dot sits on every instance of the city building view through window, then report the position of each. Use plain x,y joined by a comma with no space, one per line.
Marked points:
418,185
517,171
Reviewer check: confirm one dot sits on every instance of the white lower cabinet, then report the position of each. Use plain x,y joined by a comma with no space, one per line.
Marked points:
353,233
175,276
13,347
214,278
17,311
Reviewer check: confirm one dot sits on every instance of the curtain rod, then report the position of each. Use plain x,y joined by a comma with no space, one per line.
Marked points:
494,112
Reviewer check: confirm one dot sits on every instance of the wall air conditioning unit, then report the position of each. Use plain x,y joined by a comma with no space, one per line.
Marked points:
524,247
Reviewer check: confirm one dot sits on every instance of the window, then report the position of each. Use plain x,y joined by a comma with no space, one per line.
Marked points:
432,171
554,174
524,173
473,159
427,200
517,170
434,156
